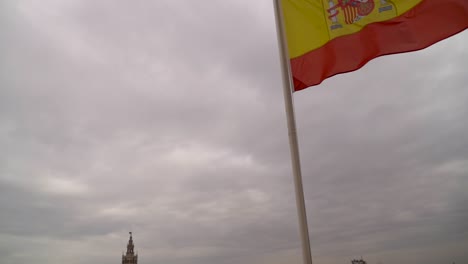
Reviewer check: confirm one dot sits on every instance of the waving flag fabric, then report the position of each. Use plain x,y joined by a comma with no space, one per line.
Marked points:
327,37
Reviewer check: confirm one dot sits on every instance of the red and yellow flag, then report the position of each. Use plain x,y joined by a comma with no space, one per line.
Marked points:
328,37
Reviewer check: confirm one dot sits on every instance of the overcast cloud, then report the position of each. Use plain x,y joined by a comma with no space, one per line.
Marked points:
166,118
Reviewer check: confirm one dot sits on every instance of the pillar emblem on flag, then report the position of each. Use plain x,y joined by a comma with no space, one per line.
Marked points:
385,5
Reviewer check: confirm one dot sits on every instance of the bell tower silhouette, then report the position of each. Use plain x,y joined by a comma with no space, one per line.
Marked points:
130,257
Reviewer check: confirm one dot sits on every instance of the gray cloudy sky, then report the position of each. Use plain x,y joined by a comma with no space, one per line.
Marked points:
166,118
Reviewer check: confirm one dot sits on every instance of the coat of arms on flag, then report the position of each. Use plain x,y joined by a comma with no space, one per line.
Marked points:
353,10
350,12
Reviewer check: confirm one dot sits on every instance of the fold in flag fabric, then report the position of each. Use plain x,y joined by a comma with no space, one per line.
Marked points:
328,37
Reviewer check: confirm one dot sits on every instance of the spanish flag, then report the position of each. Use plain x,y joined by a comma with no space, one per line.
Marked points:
328,37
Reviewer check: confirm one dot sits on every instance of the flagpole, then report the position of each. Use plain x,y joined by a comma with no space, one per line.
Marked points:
293,142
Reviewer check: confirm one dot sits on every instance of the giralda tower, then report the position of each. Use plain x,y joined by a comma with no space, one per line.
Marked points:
130,257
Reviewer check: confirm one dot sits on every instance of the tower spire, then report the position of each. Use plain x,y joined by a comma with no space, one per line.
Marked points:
130,246
130,257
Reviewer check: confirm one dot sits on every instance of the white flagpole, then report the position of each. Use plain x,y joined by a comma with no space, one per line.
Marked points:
293,143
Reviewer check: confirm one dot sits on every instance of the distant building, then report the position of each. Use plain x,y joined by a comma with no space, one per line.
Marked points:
130,257
358,261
